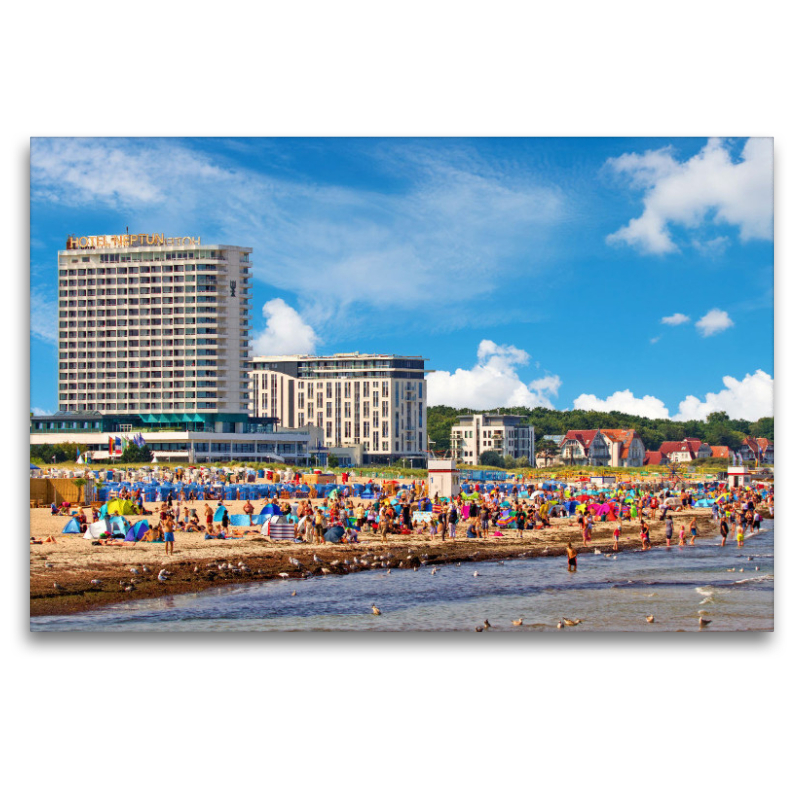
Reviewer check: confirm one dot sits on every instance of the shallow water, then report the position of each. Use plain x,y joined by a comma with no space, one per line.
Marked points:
676,586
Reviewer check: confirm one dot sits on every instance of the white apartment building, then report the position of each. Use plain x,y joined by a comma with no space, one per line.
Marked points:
155,328
502,433
376,401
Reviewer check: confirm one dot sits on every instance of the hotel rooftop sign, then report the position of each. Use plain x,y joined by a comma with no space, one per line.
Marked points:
131,240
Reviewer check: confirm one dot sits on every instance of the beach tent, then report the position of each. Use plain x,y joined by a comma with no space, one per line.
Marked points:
94,530
120,507
119,525
334,534
219,513
72,526
137,531
277,527
271,508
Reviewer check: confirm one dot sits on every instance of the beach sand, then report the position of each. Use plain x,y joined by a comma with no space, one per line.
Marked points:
75,561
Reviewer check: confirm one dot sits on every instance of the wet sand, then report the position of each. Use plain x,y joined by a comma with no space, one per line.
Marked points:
194,566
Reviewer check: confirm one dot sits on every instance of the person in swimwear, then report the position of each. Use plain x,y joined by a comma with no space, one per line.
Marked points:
572,558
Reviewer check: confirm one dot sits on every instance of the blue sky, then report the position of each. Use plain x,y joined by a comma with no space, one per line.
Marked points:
529,271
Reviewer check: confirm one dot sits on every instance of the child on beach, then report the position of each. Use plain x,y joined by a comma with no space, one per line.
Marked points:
616,536
693,530
587,529
572,558
682,536
645,535
739,534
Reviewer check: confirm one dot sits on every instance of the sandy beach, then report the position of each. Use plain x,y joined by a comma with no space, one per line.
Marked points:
73,562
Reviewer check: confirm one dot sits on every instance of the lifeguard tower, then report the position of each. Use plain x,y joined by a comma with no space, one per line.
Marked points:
442,476
738,476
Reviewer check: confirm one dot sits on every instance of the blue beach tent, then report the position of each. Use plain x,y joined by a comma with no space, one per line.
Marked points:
72,526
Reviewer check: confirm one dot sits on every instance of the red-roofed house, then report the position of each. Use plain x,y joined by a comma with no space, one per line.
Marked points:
654,458
687,450
757,449
607,448
720,451
626,447
584,448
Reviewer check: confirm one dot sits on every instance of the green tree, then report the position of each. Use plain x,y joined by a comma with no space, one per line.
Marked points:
133,454
491,459
333,462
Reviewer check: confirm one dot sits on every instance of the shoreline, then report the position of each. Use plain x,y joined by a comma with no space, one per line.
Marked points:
195,565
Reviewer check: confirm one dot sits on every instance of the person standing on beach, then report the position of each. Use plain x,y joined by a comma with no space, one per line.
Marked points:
169,536
645,534
587,529
723,531
668,526
616,536
572,558
692,530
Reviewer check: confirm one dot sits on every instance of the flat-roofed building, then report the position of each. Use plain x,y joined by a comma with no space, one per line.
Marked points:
504,434
155,327
377,401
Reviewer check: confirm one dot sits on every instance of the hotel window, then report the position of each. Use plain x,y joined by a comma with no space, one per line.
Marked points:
385,446
375,420
375,440
347,409
366,408
328,430
301,419
385,408
384,429
366,388
375,398
319,399
328,389
384,388
366,430
319,419
348,430
347,389
328,409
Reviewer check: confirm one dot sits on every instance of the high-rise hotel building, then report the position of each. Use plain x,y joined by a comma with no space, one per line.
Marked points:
376,401
155,329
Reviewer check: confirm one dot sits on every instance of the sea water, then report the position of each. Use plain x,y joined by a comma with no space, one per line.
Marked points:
732,587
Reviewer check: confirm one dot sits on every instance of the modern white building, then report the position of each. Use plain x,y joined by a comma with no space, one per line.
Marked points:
376,401
92,436
503,434
155,327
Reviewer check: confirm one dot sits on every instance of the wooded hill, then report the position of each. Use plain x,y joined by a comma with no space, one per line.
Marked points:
717,429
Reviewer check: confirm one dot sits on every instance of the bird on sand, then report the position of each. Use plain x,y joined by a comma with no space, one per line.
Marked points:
283,574
560,624
650,618
48,565
375,610
294,594
517,622
486,624
703,622
58,587
134,571
433,571
475,574
162,578
479,629
96,581
572,622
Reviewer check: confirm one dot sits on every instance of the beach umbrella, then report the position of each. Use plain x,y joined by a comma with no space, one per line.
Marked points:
334,534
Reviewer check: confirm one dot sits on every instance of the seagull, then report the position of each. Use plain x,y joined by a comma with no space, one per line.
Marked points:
134,571
560,624
129,588
162,578
757,568
572,622
598,551
316,559
479,629
703,622
375,610
650,618
48,565
388,572
58,587
325,571
475,574
517,622
294,594
415,569
433,571
96,582
486,624
145,569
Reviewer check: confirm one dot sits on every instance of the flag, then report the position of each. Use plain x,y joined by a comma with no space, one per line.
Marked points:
111,445
117,445
78,453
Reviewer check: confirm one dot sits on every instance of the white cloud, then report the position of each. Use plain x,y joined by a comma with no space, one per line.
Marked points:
712,248
492,383
285,333
714,322
44,317
40,412
675,319
749,398
655,339
451,219
711,183
624,401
